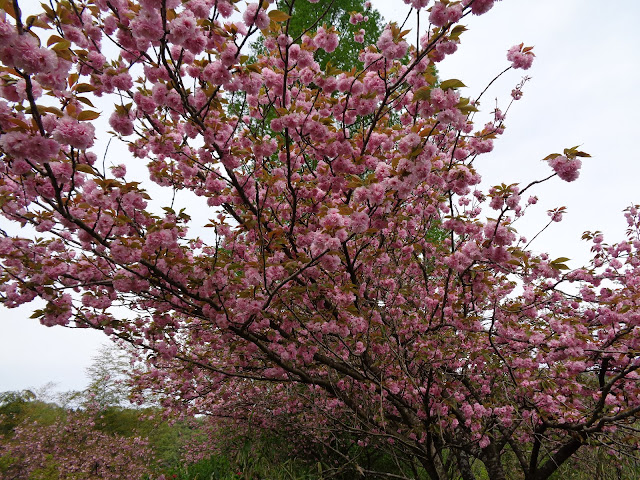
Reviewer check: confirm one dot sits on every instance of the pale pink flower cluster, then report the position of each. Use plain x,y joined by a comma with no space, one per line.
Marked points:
122,124
520,56
408,143
499,234
389,48
200,8
29,147
216,73
119,171
253,16
186,33
442,14
478,7
147,25
76,134
328,41
568,169
556,215
225,7
417,4
23,52
444,99
357,17
359,222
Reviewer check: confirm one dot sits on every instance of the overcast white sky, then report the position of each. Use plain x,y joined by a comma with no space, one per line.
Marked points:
584,91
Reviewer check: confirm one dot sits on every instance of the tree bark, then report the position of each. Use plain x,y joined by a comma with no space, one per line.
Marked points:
557,459
493,464
464,466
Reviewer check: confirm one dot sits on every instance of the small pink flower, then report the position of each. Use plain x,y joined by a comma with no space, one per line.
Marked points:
225,8
23,146
183,27
478,7
147,25
520,56
76,134
253,16
122,124
216,73
356,18
438,15
24,53
389,48
119,171
417,4
328,41
567,169
556,215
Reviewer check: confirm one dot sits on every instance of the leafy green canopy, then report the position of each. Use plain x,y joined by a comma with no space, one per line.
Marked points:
307,17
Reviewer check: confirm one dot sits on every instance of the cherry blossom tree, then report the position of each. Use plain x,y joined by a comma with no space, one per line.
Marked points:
72,448
351,265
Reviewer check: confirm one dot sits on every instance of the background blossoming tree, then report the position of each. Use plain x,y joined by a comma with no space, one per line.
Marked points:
322,278
72,447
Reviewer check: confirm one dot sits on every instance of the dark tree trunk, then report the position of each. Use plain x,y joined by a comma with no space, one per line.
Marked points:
553,463
464,466
493,464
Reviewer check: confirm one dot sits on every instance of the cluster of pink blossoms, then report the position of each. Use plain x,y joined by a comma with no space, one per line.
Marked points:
442,14
347,248
520,56
568,169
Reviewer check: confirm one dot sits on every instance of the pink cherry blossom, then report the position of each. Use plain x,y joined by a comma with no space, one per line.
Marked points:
520,56
76,134
567,169
254,14
25,146
338,273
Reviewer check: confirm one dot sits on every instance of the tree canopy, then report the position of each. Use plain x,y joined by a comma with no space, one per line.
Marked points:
353,274
356,24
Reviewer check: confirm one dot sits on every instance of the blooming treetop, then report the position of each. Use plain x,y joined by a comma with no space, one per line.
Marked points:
71,446
350,251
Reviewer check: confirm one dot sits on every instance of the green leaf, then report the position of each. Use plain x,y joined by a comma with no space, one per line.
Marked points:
84,87
279,16
56,111
7,6
457,31
453,83
86,101
467,109
88,115
83,167
62,45
423,93
54,39
415,152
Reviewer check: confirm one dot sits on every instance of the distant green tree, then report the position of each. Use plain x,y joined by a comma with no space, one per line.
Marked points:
18,406
13,405
307,17
107,377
